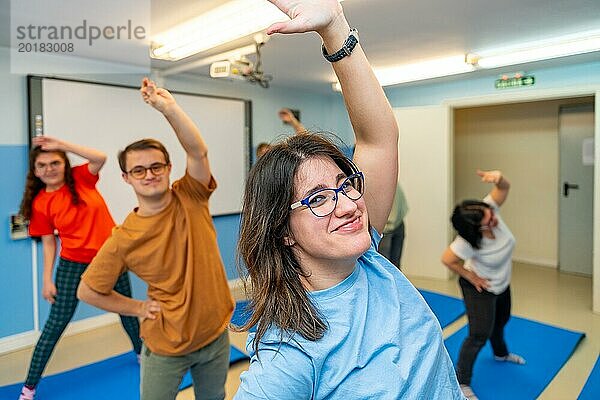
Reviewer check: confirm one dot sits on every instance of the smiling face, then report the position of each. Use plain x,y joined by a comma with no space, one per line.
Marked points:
338,238
49,167
151,186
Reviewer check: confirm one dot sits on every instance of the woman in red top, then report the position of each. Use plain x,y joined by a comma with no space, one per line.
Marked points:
59,199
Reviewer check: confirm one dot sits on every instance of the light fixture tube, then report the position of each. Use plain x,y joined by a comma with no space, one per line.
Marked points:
424,70
544,50
231,21
226,23
419,71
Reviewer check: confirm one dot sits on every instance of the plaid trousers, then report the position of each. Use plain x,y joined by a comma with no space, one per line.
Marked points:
68,275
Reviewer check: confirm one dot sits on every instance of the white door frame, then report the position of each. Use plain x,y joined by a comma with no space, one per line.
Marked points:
530,95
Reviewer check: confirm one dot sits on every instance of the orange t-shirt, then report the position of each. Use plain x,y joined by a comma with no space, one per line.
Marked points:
83,228
176,253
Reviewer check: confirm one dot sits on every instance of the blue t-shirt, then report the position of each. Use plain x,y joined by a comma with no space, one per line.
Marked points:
382,342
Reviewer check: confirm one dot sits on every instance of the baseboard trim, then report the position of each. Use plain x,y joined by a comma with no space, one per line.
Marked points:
27,339
537,261
235,283
24,340
236,286
19,341
91,323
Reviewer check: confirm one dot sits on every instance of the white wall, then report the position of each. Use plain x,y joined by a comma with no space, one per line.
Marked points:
13,103
425,176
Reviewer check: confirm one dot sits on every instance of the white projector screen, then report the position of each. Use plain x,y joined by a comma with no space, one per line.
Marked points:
108,118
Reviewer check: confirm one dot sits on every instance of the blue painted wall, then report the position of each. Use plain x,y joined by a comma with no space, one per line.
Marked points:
227,235
15,256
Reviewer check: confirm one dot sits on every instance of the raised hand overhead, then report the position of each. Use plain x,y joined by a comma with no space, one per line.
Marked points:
286,115
307,16
158,98
501,185
48,143
95,157
490,176
185,129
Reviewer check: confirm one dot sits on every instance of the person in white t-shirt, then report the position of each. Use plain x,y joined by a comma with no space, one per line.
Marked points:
482,255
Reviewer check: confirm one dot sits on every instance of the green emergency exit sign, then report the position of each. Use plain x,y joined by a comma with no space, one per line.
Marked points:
514,82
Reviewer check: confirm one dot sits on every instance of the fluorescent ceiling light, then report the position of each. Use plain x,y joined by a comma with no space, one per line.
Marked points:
580,43
226,23
419,71
231,21
543,50
423,70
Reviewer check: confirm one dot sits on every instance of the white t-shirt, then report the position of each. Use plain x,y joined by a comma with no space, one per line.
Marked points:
493,261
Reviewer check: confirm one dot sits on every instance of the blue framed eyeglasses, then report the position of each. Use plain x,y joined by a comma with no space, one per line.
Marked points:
323,201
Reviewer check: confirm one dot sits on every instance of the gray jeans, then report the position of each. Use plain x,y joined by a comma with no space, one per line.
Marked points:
391,245
161,375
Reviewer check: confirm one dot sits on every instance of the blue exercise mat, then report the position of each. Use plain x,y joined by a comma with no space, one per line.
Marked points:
591,389
114,378
447,309
545,348
242,314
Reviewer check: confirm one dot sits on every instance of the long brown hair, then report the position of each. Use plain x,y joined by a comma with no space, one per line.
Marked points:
33,184
277,296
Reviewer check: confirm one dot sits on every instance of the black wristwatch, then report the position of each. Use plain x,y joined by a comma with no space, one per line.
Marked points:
346,49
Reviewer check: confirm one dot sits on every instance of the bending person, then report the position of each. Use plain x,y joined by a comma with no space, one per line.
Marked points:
334,318
170,242
64,199
481,255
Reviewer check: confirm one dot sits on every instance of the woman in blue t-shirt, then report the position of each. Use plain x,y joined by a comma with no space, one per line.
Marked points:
334,319
481,255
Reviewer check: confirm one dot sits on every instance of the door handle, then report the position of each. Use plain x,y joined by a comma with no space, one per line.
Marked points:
568,186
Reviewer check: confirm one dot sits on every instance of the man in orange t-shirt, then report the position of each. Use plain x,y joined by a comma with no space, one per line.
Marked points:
170,242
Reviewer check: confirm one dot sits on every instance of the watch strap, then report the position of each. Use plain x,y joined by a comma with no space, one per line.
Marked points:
346,49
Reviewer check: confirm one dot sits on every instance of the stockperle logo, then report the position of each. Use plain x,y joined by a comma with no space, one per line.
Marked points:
80,36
